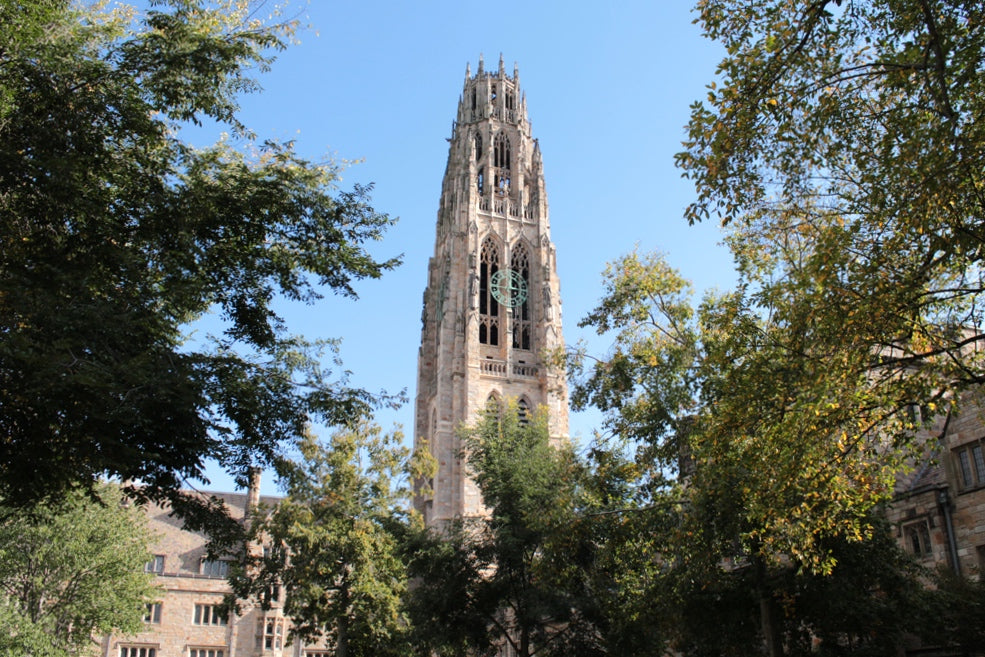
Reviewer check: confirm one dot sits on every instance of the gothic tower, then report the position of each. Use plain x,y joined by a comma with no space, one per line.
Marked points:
492,305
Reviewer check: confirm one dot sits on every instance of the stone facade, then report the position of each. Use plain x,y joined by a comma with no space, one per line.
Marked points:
938,512
184,623
492,307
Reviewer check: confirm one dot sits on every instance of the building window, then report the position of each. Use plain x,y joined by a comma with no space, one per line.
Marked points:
271,594
971,465
155,565
206,652
521,314
138,651
523,411
214,568
917,537
488,306
503,183
152,613
479,181
270,633
208,615
493,406
501,152
477,141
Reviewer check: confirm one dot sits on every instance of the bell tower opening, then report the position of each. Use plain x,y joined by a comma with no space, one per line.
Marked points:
488,305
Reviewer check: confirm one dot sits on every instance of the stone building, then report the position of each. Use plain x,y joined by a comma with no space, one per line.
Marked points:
185,621
492,306
938,512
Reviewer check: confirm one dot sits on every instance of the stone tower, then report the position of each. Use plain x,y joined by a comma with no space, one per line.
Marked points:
492,305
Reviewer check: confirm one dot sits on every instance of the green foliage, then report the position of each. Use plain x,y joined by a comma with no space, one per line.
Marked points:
870,600
841,146
115,234
647,385
611,559
333,545
954,613
770,472
491,580
71,570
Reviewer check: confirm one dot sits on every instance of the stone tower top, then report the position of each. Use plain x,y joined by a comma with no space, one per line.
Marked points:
492,95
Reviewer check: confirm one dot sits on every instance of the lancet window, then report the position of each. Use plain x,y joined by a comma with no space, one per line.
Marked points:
494,406
521,313
501,151
523,411
477,141
489,311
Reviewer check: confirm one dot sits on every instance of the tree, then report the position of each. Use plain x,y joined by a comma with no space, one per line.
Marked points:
841,148
333,545
487,581
871,601
116,234
758,525
71,570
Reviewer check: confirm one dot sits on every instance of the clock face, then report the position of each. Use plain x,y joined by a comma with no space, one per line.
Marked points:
508,287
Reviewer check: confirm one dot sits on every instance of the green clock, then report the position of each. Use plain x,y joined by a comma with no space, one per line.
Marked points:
508,287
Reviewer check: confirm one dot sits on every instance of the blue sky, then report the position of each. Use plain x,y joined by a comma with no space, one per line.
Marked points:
608,91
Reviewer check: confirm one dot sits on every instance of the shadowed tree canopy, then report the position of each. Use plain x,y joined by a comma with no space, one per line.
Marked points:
116,234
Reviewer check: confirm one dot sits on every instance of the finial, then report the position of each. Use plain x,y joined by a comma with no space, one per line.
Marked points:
481,64
502,70
516,73
468,70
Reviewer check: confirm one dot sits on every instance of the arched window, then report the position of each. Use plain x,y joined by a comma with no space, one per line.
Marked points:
493,405
501,151
434,443
480,181
523,411
477,141
488,306
474,99
520,263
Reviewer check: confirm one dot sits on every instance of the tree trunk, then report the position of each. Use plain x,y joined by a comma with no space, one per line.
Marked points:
768,622
342,635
